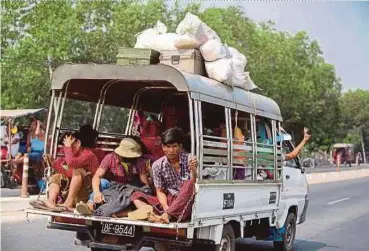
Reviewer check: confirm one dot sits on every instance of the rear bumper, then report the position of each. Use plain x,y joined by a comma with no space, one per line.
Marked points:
87,237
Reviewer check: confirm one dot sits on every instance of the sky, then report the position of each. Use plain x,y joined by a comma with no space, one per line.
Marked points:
341,28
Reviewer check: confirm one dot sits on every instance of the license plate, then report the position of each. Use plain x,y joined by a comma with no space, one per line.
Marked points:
117,229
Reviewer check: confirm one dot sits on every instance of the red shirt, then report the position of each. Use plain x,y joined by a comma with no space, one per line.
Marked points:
86,160
112,163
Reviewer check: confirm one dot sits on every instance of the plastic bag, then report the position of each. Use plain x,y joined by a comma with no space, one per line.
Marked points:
238,68
192,25
249,85
164,42
144,39
220,70
213,50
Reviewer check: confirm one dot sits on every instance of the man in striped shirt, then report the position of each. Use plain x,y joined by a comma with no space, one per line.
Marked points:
74,172
174,176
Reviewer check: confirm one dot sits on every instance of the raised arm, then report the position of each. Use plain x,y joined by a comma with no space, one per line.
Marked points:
300,146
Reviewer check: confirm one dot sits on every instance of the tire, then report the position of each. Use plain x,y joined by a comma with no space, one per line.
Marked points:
228,241
288,236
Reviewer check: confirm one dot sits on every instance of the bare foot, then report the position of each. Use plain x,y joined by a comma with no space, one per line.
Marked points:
68,207
164,218
121,214
154,218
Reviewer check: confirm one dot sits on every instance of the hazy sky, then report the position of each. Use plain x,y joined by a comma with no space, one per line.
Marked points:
341,28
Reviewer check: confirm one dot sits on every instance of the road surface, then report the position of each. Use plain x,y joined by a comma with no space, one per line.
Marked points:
338,219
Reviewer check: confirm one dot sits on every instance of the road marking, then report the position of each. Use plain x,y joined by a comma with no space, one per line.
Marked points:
336,201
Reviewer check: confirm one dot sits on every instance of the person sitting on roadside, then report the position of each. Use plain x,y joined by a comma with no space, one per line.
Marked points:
126,165
74,172
174,176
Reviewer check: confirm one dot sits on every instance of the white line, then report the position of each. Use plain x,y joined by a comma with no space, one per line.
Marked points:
336,201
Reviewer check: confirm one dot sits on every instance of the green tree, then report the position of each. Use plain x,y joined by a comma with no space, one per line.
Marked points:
38,36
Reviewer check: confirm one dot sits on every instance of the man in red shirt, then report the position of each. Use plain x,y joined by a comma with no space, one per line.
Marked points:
74,172
126,165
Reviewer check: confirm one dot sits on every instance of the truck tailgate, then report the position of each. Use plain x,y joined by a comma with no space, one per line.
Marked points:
172,225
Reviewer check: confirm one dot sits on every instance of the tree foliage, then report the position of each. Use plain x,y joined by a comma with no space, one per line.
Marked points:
41,35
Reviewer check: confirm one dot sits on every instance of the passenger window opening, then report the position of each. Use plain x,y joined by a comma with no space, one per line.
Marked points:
287,148
242,154
265,159
214,139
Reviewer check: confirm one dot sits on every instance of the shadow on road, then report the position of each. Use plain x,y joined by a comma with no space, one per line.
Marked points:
300,245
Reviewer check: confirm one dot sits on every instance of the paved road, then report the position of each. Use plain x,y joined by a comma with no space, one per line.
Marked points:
338,219
332,168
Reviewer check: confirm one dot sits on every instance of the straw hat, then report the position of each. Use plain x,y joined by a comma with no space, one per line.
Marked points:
129,148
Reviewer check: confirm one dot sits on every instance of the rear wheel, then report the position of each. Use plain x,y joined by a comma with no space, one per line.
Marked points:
289,235
227,243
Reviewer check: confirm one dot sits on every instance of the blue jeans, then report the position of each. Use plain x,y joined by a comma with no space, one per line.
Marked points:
104,184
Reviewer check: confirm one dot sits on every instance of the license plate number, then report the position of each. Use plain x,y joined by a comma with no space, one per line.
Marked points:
117,229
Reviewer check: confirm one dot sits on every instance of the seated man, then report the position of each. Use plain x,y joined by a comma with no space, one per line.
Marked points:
174,176
73,177
125,165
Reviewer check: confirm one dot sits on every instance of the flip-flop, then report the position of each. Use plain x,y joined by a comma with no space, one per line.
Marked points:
83,209
39,204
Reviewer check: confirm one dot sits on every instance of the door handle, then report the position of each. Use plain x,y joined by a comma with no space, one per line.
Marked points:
287,176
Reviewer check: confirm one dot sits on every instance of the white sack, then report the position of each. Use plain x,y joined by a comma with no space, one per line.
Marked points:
238,67
145,38
192,25
213,50
220,70
249,85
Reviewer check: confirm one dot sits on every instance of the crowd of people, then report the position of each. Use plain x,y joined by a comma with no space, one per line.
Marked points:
128,182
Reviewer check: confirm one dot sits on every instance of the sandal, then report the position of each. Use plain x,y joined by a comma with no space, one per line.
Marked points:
39,204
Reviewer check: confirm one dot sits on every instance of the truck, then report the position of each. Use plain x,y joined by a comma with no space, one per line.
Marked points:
244,188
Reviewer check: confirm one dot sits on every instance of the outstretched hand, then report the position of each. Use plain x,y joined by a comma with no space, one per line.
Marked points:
307,136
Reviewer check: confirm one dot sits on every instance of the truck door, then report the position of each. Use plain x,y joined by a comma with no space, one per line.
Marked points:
294,181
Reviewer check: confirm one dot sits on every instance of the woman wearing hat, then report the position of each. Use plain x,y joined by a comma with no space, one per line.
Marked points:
126,165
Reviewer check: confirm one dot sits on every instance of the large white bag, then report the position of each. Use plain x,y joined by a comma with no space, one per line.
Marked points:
249,85
192,25
145,38
238,68
213,50
220,70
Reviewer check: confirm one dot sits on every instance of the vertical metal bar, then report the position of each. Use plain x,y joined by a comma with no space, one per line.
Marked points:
192,129
101,107
255,147
132,111
281,147
56,108
60,120
98,107
274,135
49,120
229,143
200,138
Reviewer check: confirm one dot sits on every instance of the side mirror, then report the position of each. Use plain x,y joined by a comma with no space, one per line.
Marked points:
286,137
